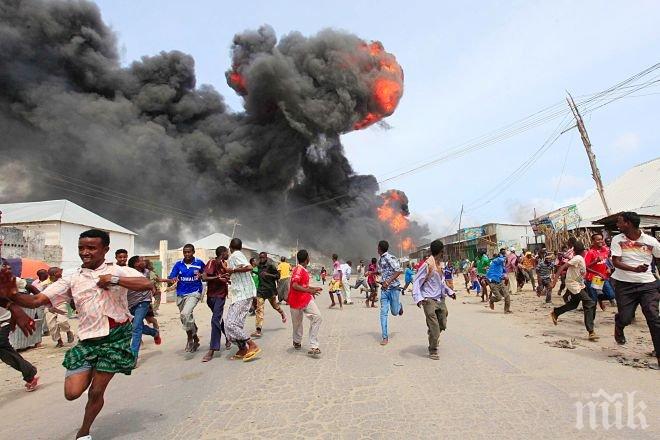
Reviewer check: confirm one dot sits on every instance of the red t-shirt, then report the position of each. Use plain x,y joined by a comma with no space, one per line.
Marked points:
297,298
591,261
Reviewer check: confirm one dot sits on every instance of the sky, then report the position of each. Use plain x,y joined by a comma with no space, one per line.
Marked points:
470,67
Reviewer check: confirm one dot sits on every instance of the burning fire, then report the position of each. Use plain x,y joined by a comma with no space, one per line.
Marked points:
386,87
394,212
237,81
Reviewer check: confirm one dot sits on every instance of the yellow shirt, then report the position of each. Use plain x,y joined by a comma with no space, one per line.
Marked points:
284,269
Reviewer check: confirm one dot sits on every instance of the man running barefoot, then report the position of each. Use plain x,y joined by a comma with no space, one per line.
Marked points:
242,290
301,301
104,332
267,291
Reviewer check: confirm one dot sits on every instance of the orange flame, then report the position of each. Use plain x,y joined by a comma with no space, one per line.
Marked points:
407,244
396,220
237,82
386,87
399,223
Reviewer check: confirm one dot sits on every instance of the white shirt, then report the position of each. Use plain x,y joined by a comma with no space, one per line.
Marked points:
635,253
346,271
242,287
575,274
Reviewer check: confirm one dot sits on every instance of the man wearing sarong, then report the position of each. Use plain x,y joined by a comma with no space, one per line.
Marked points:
99,292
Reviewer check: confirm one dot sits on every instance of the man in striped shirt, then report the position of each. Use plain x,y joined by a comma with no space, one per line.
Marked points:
241,292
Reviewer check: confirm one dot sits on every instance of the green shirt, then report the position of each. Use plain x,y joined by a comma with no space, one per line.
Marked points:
255,276
482,265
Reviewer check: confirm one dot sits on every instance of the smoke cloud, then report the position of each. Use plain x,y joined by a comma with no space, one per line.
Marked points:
146,147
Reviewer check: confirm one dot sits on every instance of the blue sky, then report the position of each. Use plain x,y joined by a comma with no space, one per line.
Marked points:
470,67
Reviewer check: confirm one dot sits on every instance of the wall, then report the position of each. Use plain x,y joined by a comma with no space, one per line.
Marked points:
516,236
69,242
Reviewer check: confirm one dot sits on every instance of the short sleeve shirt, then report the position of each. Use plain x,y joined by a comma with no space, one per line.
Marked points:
94,305
285,269
635,253
596,260
575,274
388,264
242,286
136,297
215,288
336,268
482,263
297,298
187,276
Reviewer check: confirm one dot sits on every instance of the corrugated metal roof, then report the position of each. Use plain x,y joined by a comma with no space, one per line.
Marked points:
56,211
638,189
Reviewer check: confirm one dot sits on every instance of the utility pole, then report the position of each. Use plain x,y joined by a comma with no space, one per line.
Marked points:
536,237
595,173
233,231
460,219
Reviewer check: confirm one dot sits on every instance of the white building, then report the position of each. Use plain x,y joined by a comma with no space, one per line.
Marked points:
60,222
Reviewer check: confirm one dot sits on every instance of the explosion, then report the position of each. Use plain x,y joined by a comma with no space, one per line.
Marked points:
376,68
394,212
278,164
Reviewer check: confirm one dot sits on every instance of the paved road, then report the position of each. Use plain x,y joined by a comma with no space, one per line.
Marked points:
491,381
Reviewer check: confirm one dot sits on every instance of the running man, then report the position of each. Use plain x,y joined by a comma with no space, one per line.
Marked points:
284,268
575,270
481,263
268,276
216,278
495,277
335,283
104,348
10,314
139,302
634,283
346,270
390,270
372,273
429,292
187,275
408,275
242,290
301,302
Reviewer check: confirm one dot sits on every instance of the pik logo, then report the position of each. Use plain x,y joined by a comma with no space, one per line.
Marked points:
610,411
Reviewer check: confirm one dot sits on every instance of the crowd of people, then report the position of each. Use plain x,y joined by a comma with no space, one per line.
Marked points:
116,303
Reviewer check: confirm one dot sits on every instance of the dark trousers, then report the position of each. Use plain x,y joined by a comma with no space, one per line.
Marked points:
217,306
588,306
12,358
629,296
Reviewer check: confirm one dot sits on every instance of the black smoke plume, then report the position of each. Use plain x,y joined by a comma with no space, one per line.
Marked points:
146,147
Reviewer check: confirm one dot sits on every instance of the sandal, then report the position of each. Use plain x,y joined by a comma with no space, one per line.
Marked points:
314,352
297,345
236,357
434,356
250,355
227,345
207,357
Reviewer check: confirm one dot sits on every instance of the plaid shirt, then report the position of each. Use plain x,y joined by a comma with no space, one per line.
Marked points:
94,305
387,265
